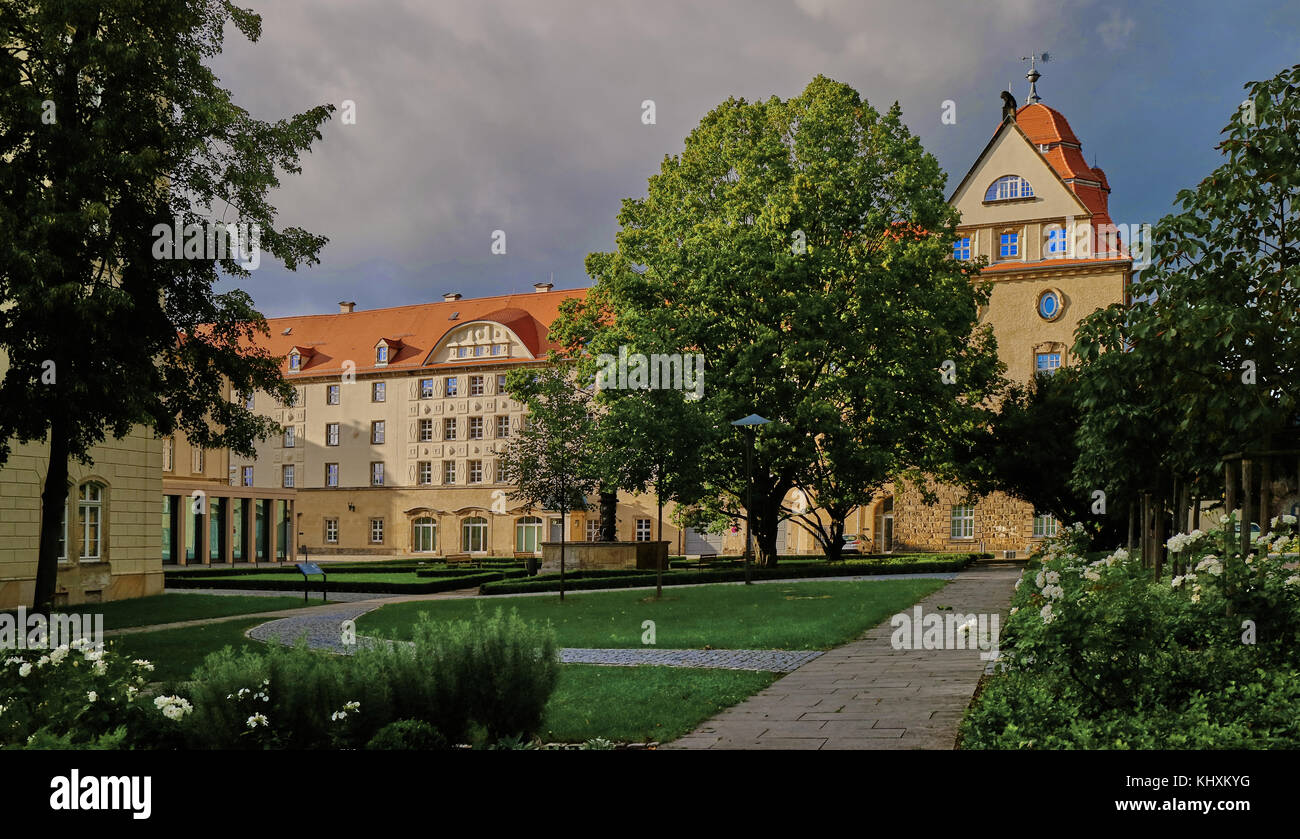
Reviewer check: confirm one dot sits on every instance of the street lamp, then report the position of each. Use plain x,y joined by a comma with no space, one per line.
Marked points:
751,421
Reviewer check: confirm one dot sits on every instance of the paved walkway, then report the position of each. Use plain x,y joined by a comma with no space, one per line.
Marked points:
865,694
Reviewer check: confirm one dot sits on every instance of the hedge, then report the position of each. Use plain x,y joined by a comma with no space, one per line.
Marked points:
295,586
581,581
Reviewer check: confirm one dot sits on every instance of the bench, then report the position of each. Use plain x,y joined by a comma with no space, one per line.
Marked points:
461,559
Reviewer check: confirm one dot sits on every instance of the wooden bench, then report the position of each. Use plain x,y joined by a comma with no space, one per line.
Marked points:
461,559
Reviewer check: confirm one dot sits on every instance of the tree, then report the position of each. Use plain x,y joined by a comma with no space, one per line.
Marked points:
788,241
1210,341
112,129
553,461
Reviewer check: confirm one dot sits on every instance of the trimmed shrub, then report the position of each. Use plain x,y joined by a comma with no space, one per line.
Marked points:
408,735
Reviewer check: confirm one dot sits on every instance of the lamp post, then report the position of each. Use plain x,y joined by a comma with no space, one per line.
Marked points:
751,421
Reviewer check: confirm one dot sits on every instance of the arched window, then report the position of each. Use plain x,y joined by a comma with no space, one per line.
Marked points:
90,518
424,535
474,534
528,534
1007,187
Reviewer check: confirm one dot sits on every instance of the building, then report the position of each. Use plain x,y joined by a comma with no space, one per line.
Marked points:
109,548
393,443
212,514
1039,213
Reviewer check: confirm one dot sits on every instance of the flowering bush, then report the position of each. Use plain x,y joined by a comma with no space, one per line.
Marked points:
74,696
1097,655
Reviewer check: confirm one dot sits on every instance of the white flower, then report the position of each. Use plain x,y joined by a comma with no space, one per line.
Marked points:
173,707
1047,614
42,661
1091,574
143,664
131,691
354,705
92,696
79,644
101,667
1293,580
1015,609
1178,581
243,692
1288,519
13,659
58,654
256,720
26,669
1040,580
1053,577
338,715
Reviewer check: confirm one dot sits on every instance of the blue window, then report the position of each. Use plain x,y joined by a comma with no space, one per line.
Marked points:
961,249
1056,241
1008,187
1049,305
1049,362
295,361
1010,245
381,354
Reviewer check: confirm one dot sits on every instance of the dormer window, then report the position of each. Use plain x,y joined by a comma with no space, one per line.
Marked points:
386,350
1009,187
381,354
295,362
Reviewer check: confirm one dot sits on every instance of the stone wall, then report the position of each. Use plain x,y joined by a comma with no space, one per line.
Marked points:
1001,523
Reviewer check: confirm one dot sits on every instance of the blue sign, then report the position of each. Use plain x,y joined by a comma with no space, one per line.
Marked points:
310,568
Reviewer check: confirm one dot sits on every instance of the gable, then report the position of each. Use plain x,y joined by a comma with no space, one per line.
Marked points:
1011,153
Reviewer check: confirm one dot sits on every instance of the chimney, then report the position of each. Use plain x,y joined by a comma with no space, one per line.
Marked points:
451,297
542,288
346,306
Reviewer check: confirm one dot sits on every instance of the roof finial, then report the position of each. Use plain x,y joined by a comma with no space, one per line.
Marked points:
1033,75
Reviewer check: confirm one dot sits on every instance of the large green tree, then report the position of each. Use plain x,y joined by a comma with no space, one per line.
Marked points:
804,247
112,125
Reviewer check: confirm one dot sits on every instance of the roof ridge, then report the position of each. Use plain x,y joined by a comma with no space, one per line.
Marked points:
528,294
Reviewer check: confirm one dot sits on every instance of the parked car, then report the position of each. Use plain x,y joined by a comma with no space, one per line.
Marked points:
852,545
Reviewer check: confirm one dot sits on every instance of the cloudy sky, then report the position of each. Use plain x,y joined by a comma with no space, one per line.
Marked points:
525,115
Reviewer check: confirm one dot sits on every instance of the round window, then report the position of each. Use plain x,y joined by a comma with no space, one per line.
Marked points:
1049,305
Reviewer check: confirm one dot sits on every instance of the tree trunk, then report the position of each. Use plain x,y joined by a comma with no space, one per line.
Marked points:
1229,486
835,550
608,513
1265,493
1247,505
54,504
1132,525
564,518
1145,542
659,537
1158,539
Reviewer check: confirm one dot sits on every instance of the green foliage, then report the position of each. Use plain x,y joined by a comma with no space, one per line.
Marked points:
408,735
493,672
1097,655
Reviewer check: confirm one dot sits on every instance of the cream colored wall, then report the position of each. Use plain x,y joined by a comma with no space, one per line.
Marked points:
1012,154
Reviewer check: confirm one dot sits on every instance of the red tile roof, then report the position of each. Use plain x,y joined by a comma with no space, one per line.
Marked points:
352,336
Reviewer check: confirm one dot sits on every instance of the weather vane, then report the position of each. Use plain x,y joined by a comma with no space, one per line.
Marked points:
1033,75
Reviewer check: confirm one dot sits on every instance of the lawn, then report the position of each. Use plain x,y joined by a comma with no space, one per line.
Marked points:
176,652
641,704
169,608
788,616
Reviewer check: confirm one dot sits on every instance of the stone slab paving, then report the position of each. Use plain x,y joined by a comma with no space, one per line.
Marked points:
777,661
865,694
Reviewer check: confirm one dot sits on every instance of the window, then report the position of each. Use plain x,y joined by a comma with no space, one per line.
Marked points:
479,351
501,472
963,522
1009,187
1048,362
332,395
426,388
476,428
289,437
295,362
426,430
462,352
593,530
528,534
377,432
377,474
474,535
1044,526
452,387
475,472
498,349
234,476
643,530
475,385
90,509
332,434
376,531
501,383
449,428
1056,242
1049,305
424,536
449,471
331,474
425,468
332,531
381,354
63,532
961,249
196,462
248,476
1009,245
287,476
169,454
378,392
248,401
503,426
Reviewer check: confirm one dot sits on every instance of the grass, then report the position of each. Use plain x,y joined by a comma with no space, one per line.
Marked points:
295,577
641,704
170,608
788,616
176,652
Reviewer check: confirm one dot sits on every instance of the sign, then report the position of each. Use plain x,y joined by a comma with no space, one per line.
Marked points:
310,568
